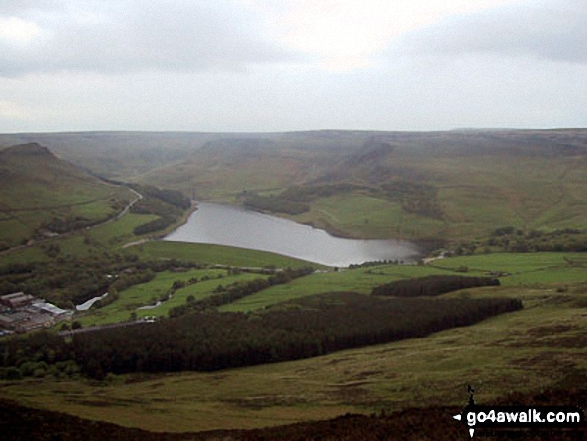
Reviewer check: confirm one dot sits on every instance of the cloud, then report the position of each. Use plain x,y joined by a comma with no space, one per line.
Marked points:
16,29
132,35
349,34
9,7
553,30
10,110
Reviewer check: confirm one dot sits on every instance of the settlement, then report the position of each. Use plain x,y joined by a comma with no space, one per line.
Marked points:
20,312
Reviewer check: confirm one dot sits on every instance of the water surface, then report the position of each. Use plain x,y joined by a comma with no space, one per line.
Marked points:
238,227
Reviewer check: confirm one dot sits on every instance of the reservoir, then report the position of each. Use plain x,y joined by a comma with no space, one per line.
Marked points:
238,227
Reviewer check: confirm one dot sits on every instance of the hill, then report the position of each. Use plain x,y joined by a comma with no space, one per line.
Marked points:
456,185
42,195
427,423
424,186
419,186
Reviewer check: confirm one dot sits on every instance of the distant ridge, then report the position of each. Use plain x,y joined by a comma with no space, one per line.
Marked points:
31,148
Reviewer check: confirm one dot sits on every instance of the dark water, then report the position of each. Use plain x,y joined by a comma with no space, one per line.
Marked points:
235,226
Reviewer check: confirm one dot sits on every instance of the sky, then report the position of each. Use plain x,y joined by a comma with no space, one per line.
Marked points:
287,65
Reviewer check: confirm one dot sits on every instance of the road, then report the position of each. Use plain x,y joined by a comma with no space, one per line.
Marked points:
102,327
111,219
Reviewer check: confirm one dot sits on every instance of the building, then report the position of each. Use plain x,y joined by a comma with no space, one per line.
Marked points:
57,313
23,312
10,321
35,321
16,300
25,321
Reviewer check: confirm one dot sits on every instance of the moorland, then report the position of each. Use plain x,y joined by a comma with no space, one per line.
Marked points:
244,339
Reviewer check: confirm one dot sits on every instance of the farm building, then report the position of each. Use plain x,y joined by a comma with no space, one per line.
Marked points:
16,300
25,321
23,312
48,308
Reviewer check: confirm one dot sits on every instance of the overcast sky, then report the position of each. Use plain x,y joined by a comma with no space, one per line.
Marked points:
281,65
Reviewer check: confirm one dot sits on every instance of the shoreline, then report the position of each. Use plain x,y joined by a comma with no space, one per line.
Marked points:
361,249
426,245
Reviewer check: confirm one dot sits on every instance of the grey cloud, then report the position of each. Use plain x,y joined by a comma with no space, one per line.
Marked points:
133,36
10,7
554,30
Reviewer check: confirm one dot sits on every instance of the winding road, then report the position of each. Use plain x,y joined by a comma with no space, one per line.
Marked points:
110,219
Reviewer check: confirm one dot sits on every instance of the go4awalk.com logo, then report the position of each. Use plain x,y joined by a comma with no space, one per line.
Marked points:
518,417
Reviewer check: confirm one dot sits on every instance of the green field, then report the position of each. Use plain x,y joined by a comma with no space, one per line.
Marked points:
522,268
360,280
148,293
529,269
215,254
555,270
38,188
526,351
366,217
106,237
480,181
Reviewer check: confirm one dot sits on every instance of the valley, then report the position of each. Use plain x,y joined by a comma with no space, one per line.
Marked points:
247,339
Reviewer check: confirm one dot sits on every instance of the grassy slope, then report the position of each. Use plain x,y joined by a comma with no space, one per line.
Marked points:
524,269
216,254
360,280
367,217
532,269
530,179
36,187
148,294
109,236
538,347
477,192
526,351
528,192
542,345
482,180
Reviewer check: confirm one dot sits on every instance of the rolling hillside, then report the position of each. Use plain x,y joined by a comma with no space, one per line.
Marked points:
455,185
418,185
41,195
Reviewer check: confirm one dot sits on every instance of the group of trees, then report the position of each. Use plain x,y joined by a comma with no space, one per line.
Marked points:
295,200
414,197
239,290
431,286
210,340
65,222
167,204
69,281
517,240
66,281
172,197
200,338
37,354
155,225
275,204
375,263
